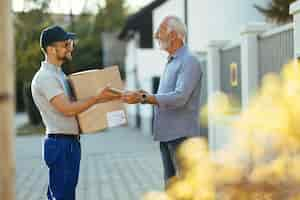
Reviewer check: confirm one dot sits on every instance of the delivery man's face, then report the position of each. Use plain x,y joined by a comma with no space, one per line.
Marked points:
63,50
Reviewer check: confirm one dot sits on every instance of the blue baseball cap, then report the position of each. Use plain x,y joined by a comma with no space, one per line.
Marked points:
54,34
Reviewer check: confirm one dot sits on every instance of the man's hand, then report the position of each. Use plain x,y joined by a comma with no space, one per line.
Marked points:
106,94
132,97
142,91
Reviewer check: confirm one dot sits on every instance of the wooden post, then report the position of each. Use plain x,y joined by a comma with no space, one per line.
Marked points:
7,137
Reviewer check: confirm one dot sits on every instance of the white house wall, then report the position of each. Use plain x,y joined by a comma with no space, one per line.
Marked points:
220,20
130,55
211,19
208,20
171,7
130,84
150,63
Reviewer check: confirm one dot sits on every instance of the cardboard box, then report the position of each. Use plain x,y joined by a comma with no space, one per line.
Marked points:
104,115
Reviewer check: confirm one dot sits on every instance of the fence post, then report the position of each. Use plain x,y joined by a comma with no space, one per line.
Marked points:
7,158
250,60
213,81
295,11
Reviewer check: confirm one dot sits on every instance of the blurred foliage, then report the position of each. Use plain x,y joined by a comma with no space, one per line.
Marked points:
32,111
115,12
28,26
87,26
88,53
258,159
277,11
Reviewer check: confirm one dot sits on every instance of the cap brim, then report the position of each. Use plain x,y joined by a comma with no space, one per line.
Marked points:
71,36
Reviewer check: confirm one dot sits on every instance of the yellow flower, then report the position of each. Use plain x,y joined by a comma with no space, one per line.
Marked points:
192,152
200,176
204,194
294,169
179,189
273,172
228,174
156,196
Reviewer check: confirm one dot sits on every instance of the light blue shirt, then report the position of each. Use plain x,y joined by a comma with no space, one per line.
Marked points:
178,95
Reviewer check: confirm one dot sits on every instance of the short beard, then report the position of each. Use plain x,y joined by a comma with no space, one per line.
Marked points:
165,45
66,58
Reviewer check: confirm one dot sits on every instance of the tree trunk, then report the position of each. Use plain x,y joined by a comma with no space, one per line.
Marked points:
7,136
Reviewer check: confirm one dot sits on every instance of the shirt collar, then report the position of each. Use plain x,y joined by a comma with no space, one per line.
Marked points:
51,67
179,52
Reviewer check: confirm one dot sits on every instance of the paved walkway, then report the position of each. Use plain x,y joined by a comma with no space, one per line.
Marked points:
119,164
20,119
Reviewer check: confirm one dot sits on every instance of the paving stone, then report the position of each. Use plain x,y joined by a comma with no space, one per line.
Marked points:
119,164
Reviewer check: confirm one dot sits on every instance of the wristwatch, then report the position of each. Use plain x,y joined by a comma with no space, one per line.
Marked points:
144,98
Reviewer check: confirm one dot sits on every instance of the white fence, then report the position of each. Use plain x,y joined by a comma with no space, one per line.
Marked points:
262,49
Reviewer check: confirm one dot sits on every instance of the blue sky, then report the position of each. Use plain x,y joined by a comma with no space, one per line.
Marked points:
64,6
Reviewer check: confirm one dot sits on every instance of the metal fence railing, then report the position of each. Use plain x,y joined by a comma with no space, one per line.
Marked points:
275,49
231,72
203,94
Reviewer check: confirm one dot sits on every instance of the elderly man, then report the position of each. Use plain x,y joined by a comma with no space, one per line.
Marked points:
177,100
51,94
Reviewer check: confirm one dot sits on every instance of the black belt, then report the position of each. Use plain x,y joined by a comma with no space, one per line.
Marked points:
65,136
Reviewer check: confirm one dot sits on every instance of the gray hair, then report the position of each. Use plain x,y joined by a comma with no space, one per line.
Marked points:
175,24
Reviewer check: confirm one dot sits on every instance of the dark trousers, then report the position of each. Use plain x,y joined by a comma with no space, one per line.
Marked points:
168,151
62,156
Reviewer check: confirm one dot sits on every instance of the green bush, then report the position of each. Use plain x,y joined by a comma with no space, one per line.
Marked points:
31,109
88,53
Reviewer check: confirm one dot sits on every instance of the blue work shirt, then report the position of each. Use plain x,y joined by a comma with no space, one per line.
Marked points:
178,95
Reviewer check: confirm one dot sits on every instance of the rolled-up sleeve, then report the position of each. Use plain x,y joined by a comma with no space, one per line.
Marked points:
188,78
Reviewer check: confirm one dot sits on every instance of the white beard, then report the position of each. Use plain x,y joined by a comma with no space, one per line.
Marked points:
163,45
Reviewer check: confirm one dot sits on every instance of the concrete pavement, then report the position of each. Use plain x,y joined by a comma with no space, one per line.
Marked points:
118,164
20,119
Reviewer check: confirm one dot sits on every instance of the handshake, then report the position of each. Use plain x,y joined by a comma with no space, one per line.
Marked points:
130,97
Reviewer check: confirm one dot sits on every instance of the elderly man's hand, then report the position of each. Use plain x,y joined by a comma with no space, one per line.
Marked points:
131,97
142,92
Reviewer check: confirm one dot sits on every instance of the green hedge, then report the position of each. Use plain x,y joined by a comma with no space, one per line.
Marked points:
30,107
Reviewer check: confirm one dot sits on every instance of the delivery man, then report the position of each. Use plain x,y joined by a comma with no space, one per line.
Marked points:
51,94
